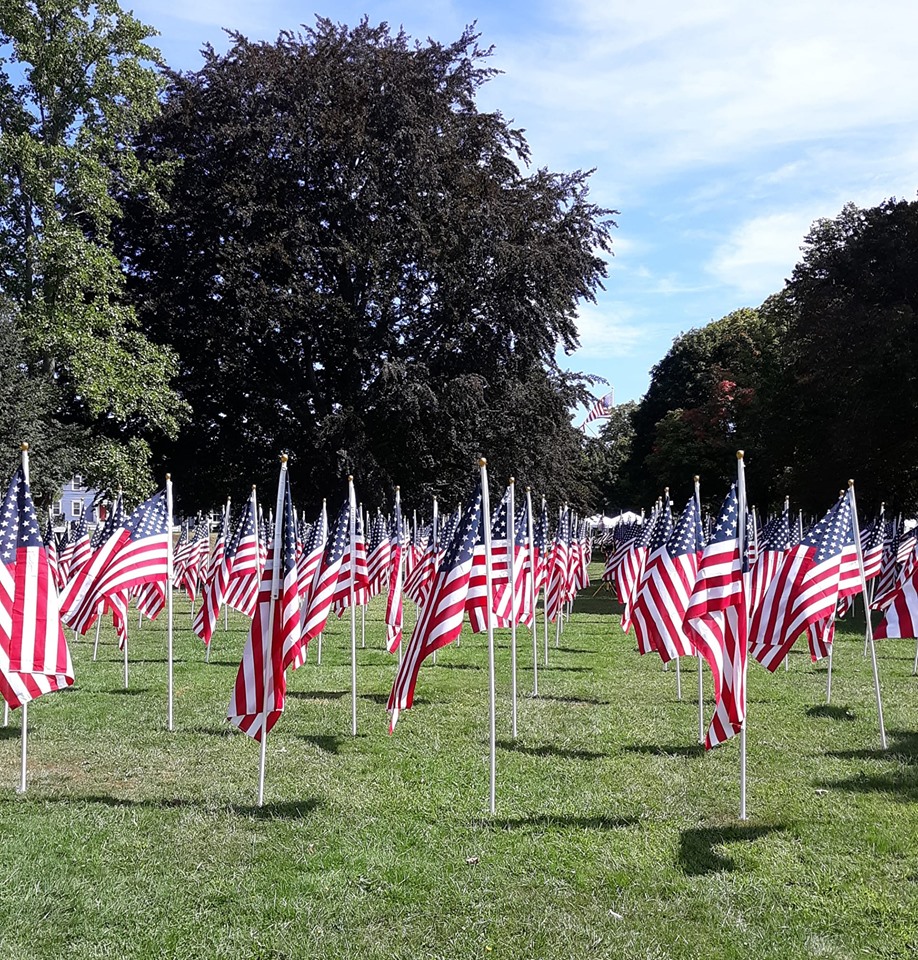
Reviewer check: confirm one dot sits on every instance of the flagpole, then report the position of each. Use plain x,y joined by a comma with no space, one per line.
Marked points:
492,695
532,571
267,641
365,520
545,598
741,549
352,524
511,568
433,546
170,559
25,707
398,572
868,624
95,649
700,658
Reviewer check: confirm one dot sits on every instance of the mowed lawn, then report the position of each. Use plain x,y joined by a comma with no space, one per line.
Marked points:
615,835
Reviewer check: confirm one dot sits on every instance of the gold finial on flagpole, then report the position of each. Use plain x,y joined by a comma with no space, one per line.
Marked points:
482,462
24,447
739,454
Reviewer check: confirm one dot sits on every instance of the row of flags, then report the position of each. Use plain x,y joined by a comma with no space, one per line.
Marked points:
718,589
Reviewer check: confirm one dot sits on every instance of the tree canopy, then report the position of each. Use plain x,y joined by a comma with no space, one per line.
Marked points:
351,245
76,80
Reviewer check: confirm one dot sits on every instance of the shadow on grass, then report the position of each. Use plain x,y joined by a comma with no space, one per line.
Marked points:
573,650
289,810
457,666
831,712
318,694
698,854
326,743
221,663
227,731
562,822
658,750
550,750
10,733
553,668
903,746
128,691
585,701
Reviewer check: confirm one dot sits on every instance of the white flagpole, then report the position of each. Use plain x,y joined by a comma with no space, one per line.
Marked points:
868,600
95,649
741,549
492,694
268,637
433,545
535,623
352,524
365,520
868,624
700,658
560,618
401,565
787,508
25,706
170,559
511,569
545,601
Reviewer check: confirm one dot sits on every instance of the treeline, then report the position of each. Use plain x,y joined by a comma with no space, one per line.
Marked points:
318,245
818,384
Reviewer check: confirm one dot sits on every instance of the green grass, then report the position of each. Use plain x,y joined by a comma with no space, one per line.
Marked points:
615,835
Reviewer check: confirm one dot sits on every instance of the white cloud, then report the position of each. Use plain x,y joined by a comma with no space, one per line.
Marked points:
610,330
761,253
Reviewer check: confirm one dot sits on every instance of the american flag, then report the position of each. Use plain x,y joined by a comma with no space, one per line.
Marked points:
318,603
666,587
198,549
54,563
885,588
717,622
516,606
440,620
541,548
804,590
212,595
631,569
311,557
653,538
378,551
600,409
258,696
777,540
352,575
135,553
181,553
78,550
394,602
901,616
34,658
479,600
242,558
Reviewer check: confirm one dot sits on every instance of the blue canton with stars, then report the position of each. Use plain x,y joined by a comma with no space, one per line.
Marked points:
150,519
112,523
340,536
19,525
833,533
662,528
779,537
245,527
686,536
462,544
725,525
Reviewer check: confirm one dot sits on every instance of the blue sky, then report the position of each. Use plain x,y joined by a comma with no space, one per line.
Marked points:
719,129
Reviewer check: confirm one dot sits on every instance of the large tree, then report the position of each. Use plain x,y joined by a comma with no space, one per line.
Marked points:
79,81
357,266
851,311
712,393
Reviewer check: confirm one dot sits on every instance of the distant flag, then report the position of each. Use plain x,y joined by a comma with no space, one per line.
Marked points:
659,610
212,596
242,559
394,602
440,620
258,696
318,602
601,409
313,548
